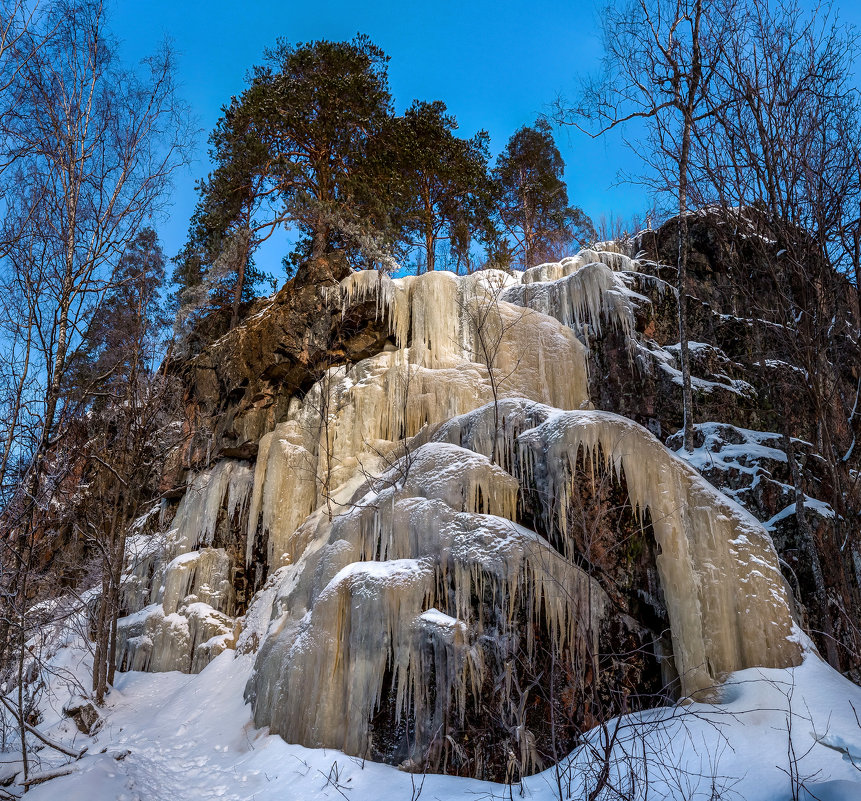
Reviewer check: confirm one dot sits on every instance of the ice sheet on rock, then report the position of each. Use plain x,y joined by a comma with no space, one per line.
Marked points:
406,604
432,312
478,431
187,640
254,624
439,316
725,595
337,658
604,253
210,633
204,574
152,641
170,632
144,555
625,245
464,480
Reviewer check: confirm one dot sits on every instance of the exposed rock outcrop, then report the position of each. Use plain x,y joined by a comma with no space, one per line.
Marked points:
399,496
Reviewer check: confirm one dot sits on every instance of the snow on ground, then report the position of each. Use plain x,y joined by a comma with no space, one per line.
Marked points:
177,737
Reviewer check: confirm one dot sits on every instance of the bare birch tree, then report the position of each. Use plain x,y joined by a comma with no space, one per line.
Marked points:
491,323
660,59
91,146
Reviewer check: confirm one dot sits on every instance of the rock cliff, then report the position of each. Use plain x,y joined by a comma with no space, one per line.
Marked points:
440,511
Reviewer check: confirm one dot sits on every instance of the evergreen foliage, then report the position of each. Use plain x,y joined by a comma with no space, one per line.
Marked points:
313,145
291,150
315,107
444,188
533,199
127,329
231,214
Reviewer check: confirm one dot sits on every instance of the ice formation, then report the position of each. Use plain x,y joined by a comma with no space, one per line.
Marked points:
391,590
177,587
382,525
224,488
455,341
593,294
727,602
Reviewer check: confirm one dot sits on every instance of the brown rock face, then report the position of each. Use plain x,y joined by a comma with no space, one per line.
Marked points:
240,386
85,715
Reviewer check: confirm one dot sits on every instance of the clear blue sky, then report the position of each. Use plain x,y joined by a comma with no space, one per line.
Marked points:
495,64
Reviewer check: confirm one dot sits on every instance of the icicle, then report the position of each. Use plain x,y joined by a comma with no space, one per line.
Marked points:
198,512
592,295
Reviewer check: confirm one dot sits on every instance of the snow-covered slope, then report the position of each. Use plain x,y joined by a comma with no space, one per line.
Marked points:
777,735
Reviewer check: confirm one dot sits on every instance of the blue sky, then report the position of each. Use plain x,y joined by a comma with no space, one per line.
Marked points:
495,64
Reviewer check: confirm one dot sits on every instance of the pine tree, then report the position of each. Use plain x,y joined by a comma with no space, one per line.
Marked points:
291,151
128,326
215,271
533,199
445,191
316,107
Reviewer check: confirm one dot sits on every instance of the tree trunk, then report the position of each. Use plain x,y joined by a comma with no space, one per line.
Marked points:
19,395
810,550
430,239
106,610
240,279
856,258
99,651
684,353
430,254
320,243
528,236
22,722
115,611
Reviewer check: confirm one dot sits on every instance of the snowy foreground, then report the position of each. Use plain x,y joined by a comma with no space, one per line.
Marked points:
175,736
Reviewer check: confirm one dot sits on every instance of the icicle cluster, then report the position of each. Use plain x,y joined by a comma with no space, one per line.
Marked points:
397,590
727,602
352,422
593,295
180,595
